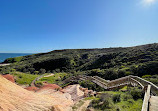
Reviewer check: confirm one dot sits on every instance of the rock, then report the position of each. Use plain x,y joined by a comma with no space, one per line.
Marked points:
9,77
15,98
74,91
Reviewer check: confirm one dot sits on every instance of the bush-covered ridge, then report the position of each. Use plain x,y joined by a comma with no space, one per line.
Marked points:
109,63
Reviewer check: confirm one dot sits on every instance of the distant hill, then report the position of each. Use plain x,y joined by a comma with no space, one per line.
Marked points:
109,63
4,56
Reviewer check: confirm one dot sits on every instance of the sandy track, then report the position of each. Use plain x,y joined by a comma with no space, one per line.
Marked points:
49,75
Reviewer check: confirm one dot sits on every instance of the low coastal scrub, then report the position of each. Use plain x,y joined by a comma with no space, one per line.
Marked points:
13,60
151,78
117,101
116,98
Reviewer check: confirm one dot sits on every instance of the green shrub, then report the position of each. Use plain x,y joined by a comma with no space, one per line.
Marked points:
42,71
12,60
146,76
20,76
126,97
39,83
136,93
7,72
104,96
102,105
102,102
130,101
116,98
13,70
36,72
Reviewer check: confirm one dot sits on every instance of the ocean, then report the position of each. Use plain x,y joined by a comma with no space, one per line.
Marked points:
4,56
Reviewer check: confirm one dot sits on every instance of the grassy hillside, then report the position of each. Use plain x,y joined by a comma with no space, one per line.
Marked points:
108,63
23,78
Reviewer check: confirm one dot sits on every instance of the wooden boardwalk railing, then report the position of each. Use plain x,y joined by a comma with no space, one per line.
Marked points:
150,102
145,106
109,85
145,83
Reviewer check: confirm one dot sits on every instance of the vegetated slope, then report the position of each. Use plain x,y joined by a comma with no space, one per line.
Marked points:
13,97
66,60
138,60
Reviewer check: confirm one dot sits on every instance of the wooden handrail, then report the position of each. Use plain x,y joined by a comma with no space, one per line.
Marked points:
138,83
145,106
154,88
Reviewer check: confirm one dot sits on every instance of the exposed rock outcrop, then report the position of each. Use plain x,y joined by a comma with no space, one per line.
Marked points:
74,91
15,98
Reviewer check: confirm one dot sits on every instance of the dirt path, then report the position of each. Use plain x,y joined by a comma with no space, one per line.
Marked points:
38,78
84,106
49,75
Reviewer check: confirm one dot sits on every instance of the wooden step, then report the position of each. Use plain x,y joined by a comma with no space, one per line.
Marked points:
153,103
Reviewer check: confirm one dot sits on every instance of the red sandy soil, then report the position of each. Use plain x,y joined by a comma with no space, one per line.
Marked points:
9,77
46,86
15,98
51,86
31,88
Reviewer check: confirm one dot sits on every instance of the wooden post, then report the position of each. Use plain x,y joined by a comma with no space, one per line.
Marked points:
128,83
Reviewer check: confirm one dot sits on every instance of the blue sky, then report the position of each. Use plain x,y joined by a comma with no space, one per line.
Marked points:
34,26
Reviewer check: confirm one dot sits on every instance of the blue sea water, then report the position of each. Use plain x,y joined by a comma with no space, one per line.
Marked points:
4,56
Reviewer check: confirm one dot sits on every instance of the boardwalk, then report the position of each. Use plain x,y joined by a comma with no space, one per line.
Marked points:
150,102
153,103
